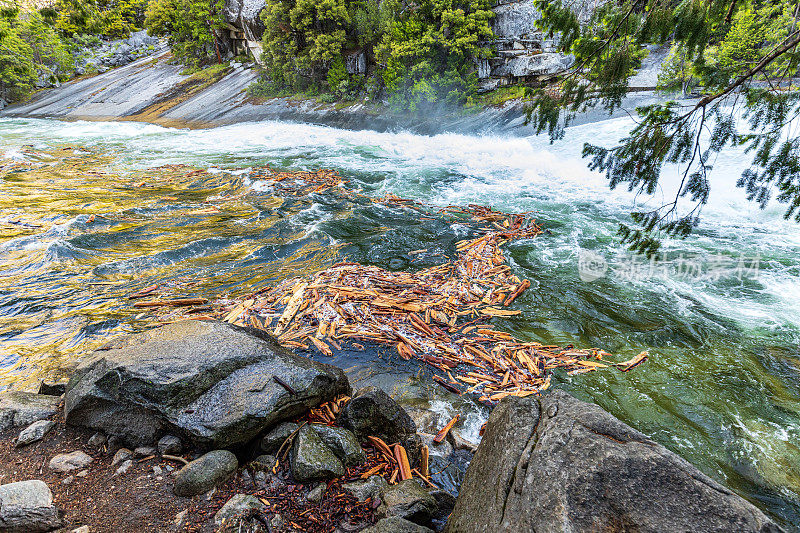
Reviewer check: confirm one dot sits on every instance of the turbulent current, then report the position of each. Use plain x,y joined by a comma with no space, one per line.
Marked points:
87,218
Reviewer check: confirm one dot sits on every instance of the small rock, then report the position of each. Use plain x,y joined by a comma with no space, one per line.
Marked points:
373,412
170,445
82,529
459,442
276,522
343,443
180,519
264,462
19,409
247,479
239,507
205,473
97,440
276,436
157,470
67,462
408,500
371,487
395,524
34,432
82,473
144,451
68,480
123,454
260,479
315,494
312,459
27,506
124,467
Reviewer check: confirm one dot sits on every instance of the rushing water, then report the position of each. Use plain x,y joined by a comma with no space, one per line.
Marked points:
722,384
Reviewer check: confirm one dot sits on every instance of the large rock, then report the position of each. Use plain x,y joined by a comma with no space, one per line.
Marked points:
27,507
274,439
205,473
562,465
312,459
245,15
19,409
373,412
395,524
408,500
208,380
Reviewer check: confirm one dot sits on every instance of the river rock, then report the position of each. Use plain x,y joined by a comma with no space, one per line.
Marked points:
395,524
312,459
315,495
559,464
122,455
263,462
373,412
34,432
208,380
170,445
27,507
239,508
372,487
408,500
277,436
67,462
342,443
19,409
205,473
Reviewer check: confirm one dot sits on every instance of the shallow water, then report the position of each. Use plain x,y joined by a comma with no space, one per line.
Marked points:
721,385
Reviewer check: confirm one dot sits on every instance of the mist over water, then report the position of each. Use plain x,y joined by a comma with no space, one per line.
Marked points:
721,387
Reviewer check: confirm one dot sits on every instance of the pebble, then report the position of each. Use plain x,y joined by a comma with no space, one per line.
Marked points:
144,451
82,473
67,462
82,529
315,494
123,454
67,480
157,470
124,467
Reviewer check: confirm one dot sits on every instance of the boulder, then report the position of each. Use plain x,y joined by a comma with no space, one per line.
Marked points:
408,500
19,409
27,507
559,464
342,443
312,459
372,487
395,524
207,380
277,436
205,473
240,508
67,462
373,412
34,432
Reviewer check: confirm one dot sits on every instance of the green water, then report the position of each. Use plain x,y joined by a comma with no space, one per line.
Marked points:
720,387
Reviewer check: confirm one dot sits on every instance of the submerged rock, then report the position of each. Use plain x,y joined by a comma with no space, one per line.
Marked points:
19,409
373,412
34,432
210,381
27,507
559,464
205,473
312,459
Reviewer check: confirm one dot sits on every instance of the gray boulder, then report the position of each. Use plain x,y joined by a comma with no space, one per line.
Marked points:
395,524
342,443
34,432
372,487
67,462
312,459
205,473
207,380
19,409
27,507
559,465
272,441
373,412
408,500
240,508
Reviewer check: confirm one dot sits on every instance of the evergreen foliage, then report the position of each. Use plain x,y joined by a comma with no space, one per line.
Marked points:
106,18
189,26
735,53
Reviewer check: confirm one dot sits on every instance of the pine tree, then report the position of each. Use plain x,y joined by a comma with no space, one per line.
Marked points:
742,57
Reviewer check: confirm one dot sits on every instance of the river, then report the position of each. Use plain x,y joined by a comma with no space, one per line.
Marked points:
85,220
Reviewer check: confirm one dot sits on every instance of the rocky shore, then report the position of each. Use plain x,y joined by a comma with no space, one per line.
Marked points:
204,426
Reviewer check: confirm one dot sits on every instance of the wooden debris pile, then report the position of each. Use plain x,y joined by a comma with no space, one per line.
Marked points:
438,315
